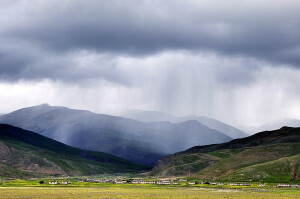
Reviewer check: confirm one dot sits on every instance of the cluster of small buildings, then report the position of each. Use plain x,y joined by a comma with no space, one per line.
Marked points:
261,184
134,181
158,182
164,182
213,183
140,181
57,183
99,180
239,184
168,182
119,181
288,185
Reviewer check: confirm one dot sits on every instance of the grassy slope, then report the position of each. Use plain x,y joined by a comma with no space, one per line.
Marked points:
7,171
225,168
26,154
186,164
252,158
283,170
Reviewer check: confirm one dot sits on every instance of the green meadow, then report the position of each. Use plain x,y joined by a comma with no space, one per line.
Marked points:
33,189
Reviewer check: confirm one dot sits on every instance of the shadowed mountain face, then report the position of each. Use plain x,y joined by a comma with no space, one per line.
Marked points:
137,141
154,116
270,156
27,154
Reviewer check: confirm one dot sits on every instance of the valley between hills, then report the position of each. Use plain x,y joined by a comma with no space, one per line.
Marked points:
268,156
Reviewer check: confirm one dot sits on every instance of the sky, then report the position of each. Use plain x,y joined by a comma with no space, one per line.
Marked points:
235,61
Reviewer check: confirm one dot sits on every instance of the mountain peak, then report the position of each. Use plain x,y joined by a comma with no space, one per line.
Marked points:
285,128
44,104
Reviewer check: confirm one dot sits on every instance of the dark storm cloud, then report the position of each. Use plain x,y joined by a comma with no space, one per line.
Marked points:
264,31
34,64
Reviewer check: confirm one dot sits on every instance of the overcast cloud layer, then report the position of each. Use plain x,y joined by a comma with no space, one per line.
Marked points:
237,61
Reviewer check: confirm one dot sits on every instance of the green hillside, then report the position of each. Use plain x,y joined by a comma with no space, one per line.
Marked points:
27,154
283,170
266,156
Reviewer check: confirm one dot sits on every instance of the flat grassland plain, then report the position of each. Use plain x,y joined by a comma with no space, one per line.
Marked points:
25,189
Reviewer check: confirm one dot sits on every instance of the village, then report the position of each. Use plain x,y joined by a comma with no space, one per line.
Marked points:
165,182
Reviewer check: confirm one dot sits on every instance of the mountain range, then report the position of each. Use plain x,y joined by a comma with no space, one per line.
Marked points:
272,156
141,142
155,116
25,154
108,144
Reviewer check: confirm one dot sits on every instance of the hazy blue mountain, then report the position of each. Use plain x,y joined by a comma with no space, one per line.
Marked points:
153,116
148,116
137,141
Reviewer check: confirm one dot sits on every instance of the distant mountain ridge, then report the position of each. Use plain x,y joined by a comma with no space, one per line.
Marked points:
27,154
155,116
277,125
136,141
267,156
291,122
